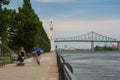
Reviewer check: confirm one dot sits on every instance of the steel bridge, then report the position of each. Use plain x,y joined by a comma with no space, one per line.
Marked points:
89,37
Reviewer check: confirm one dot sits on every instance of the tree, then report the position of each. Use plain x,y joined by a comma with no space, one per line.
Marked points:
13,29
22,28
28,30
3,19
4,23
3,2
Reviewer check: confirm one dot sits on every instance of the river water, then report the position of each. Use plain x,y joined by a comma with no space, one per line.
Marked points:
101,65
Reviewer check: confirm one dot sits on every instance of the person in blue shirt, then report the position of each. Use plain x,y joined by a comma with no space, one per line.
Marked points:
37,54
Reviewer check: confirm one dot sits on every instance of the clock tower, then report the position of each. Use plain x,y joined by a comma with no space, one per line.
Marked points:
52,35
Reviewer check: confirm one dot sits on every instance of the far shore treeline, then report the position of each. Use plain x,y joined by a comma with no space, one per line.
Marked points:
22,27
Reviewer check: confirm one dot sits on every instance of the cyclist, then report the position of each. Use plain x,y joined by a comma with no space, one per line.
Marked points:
37,54
21,56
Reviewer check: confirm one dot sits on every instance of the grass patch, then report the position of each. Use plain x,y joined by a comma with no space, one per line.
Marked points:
5,60
8,60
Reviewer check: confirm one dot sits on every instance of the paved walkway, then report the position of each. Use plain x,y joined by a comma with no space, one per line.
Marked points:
31,71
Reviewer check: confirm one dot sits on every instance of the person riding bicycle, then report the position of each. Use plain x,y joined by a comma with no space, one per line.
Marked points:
21,56
37,53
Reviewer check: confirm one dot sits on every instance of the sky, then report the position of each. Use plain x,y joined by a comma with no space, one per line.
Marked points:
77,17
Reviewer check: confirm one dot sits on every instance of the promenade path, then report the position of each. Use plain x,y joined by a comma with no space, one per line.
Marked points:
31,71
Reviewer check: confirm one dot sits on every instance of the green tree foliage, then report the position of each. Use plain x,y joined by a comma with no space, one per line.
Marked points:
3,2
27,29
22,28
13,29
104,48
4,18
4,23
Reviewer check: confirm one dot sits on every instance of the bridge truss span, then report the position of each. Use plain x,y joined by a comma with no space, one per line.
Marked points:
88,37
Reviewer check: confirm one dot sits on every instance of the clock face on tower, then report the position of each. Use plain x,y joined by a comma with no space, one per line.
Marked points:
51,28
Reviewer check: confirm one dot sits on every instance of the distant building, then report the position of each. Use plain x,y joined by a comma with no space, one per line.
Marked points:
68,48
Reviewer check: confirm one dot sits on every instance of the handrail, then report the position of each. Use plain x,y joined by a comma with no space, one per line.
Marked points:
68,73
65,69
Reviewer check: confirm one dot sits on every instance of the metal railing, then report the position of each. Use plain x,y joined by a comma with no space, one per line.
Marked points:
6,55
65,69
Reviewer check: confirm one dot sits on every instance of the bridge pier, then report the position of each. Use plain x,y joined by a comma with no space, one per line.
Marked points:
92,46
118,45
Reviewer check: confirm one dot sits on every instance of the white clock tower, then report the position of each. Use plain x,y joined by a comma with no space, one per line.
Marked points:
52,35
